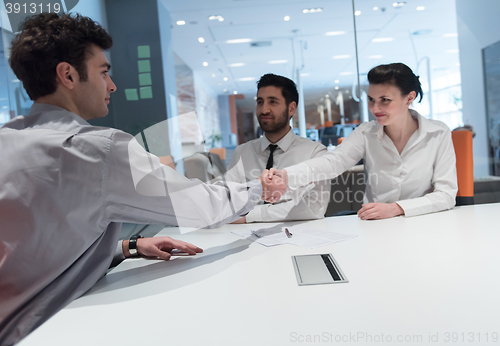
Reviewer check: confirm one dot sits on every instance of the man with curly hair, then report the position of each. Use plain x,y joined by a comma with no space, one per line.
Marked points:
66,186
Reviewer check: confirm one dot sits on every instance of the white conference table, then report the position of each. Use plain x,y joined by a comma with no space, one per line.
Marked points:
432,279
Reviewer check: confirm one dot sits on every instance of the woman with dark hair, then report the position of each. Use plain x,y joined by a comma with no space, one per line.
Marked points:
409,160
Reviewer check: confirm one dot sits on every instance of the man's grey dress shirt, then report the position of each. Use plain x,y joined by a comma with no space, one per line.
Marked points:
65,188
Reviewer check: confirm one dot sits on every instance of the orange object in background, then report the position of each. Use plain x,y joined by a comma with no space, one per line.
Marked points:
167,161
328,123
340,140
219,151
462,142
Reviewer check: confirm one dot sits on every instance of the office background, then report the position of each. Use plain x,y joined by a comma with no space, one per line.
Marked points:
171,58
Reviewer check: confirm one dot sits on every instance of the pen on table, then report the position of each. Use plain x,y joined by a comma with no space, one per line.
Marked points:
256,234
288,234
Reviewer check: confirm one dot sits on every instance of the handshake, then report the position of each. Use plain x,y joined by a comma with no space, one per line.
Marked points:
274,184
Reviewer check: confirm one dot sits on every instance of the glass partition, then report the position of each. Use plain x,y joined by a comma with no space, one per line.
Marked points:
207,57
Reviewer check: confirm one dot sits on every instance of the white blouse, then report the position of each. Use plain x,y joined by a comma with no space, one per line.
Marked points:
422,179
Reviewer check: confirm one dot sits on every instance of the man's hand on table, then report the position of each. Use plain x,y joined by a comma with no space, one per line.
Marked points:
240,220
161,247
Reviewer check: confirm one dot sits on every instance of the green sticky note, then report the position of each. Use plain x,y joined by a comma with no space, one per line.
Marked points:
146,92
144,66
131,95
145,79
143,52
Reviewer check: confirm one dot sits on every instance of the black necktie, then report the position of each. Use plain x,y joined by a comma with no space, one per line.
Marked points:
272,148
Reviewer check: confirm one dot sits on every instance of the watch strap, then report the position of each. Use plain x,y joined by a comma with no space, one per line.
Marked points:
132,245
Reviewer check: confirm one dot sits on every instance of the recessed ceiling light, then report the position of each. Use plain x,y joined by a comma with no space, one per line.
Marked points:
237,64
312,10
399,4
201,39
345,73
180,22
375,57
452,51
235,92
225,90
277,62
452,34
225,79
336,88
205,63
216,17
246,79
213,75
335,33
286,19
357,13
305,74
239,40
345,56
337,81
375,8
420,8
382,39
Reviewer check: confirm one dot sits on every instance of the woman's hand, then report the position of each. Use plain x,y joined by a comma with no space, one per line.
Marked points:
378,211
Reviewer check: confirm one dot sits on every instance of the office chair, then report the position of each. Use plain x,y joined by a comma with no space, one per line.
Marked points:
462,142
219,151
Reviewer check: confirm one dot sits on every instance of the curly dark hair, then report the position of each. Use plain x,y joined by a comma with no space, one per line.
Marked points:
288,87
48,39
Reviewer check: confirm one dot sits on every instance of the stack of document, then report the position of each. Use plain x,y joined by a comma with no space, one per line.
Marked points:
301,236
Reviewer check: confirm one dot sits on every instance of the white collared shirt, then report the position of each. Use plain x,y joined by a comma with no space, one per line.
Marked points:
421,180
291,150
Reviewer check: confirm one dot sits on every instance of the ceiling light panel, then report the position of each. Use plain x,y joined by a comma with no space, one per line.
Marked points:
216,17
312,10
335,33
239,40
382,39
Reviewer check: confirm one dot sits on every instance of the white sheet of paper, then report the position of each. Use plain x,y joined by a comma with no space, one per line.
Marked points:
301,236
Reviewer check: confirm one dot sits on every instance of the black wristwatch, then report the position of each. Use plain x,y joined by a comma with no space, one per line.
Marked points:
132,245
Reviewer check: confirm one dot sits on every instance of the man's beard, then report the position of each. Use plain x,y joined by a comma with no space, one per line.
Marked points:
282,122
